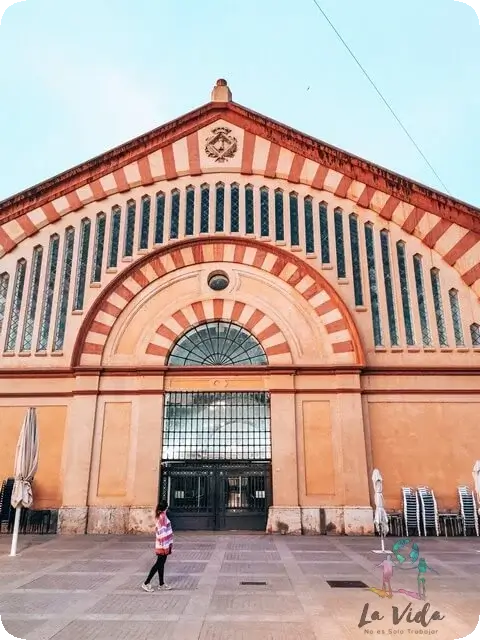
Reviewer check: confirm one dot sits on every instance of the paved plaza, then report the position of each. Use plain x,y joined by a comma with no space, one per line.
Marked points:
88,588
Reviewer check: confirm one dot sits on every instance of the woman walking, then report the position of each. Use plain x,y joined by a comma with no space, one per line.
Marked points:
163,548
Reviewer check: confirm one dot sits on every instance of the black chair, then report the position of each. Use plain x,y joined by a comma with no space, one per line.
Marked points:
7,514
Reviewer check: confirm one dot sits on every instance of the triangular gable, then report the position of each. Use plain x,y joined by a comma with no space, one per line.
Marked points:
262,147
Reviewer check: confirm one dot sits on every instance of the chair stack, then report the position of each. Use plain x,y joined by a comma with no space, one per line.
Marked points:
6,511
411,511
430,519
468,511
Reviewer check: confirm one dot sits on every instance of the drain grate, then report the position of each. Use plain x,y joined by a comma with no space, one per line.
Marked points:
254,584
347,584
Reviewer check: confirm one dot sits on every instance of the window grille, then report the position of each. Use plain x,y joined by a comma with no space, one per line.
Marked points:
160,218
234,208
49,291
475,334
217,426
373,284
174,214
339,244
32,299
190,212
205,208
421,300
61,321
405,291
356,264
14,319
217,343
456,318
220,207
130,229
82,262
114,237
249,210
439,314
294,232
279,218
324,233
309,231
4,280
389,291
264,212
99,248
145,223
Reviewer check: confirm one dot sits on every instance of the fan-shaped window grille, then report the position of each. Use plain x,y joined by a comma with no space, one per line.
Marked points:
217,343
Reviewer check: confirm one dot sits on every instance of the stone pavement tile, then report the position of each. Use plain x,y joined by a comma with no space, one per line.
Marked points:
114,630
333,568
185,583
91,566
233,583
158,602
252,556
183,568
20,628
185,555
261,604
36,603
319,556
262,568
7,578
118,554
257,631
68,581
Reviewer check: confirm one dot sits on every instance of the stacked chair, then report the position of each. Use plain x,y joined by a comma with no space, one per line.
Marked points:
430,519
411,511
6,511
468,511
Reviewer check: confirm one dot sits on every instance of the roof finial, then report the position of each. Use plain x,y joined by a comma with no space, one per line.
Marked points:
221,92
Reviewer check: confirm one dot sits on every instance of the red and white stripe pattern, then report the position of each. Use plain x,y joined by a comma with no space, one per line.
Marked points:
257,322
456,243
343,339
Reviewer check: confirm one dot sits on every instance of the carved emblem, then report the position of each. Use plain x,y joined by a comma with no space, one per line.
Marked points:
221,145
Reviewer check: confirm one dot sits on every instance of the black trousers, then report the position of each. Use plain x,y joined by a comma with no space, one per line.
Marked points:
158,566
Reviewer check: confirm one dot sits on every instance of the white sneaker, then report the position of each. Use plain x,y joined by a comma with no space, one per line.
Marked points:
164,587
147,587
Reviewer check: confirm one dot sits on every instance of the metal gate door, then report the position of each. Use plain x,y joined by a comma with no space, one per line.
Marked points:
217,497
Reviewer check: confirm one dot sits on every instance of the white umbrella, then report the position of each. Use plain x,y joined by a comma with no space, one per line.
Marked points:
26,464
381,517
476,481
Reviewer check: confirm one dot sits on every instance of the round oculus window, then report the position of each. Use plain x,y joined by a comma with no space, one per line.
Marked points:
218,281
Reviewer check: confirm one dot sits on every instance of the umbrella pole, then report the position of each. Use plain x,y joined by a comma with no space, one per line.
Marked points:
16,528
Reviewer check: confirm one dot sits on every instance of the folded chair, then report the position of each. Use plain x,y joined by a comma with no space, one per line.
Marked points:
411,511
429,509
468,511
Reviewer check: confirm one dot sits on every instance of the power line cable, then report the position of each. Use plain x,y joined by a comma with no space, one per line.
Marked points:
385,101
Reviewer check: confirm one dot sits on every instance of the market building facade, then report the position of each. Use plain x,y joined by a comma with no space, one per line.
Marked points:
243,320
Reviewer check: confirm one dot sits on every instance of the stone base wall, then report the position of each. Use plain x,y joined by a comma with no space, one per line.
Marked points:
352,521
105,520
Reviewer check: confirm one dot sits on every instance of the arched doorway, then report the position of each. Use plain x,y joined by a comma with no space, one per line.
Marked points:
216,453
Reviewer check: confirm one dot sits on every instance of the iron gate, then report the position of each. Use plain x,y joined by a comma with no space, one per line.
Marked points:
215,497
216,459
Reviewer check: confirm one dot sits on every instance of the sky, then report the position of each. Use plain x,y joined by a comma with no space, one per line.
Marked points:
79,78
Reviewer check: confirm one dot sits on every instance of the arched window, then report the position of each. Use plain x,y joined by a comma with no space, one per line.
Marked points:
217,343
99,247
249,210
339,243
145,223
264,212
279,221
79,295
114,237
219,207
324,234
294,230
129,229
309,232
32,299
389,292
373,284
456,317
475,334
14,320
4,280
160,218
356,260
47,304
204,208
63,294
174,214
234,208
190,211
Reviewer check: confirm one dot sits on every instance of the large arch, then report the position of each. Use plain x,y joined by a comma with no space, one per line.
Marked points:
315,290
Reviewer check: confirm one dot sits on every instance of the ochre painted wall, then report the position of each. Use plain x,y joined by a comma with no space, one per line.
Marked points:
318,449
48,484
112,479
425,443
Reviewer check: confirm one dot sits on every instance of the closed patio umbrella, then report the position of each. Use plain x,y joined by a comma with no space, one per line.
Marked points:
26,464
476,482
381,518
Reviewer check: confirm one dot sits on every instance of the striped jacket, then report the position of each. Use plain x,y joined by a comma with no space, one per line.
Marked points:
163,535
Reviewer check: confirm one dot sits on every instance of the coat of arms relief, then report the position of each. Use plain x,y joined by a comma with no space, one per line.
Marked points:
221,145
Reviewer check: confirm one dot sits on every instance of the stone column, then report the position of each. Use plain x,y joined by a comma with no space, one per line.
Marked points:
358,514
77,456
148,435
284,515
